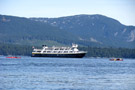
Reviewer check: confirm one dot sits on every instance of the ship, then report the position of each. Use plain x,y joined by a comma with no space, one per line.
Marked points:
64,52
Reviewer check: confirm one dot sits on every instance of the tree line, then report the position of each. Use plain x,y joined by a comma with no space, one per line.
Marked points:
109,52
10,49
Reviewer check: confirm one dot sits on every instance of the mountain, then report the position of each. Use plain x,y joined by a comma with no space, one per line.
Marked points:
19,30
85,30
98,29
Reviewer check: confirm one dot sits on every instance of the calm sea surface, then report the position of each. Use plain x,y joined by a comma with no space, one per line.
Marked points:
29,73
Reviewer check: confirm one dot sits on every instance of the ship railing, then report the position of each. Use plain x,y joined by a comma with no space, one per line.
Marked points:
59,51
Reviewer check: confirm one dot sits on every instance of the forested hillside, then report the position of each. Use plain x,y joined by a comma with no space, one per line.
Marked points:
20,30
85,30
98,29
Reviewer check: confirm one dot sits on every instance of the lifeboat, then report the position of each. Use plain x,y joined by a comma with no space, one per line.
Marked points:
13,57
116,59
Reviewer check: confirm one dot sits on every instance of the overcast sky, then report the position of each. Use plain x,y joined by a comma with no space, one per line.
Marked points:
122,10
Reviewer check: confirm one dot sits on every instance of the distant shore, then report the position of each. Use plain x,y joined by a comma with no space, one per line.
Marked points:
96,52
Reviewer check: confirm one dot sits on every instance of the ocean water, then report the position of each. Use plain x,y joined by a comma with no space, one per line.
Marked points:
30,73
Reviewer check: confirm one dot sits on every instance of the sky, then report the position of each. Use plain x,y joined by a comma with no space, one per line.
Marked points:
121,10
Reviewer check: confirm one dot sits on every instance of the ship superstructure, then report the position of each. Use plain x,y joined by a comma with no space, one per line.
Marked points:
71,52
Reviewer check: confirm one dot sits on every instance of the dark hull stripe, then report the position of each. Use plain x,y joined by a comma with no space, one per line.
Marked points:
60,55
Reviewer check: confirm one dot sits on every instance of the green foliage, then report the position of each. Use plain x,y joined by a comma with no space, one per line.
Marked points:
17,30
104,30
109,52
11,49
93,30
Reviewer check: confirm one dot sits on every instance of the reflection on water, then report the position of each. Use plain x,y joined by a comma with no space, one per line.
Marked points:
30,73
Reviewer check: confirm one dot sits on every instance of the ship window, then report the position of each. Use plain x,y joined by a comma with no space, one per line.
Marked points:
65,51
55,51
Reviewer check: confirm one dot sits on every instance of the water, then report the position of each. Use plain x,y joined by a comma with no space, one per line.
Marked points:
29,73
